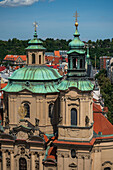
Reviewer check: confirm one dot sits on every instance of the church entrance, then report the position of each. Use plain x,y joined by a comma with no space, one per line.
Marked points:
22,164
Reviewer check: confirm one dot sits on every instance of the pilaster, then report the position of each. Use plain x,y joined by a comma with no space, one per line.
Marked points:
41,155
32,160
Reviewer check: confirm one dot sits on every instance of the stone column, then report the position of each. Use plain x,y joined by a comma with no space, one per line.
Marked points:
40,160
32,160
80,163
62,110
37,108
78,63
87,162
71,63
3,160
82,121
66,159
60,161
12,160
97,159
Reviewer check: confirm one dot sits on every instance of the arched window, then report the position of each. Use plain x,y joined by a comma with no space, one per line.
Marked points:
51,110
27,107
22,164
39,59
73,116
33,58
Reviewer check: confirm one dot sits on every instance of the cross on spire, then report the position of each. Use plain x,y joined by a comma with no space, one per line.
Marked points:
35,24
76,16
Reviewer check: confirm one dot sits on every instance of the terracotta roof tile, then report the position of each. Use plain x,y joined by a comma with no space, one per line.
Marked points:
57,53
101,124
3,85
14,57
96,108
2,68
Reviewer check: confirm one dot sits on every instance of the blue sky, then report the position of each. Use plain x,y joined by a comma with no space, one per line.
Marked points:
55,19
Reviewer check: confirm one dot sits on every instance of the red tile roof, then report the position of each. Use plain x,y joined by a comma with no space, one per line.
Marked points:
75,143
14,57
2,68
57,53
97,108
3,85
101,124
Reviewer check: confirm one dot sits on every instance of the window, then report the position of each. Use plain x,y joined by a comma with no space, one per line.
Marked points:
51,110
74,63
22,164
73,116
80,63
39,59
27,107
73,153
27,59
107,168
33,58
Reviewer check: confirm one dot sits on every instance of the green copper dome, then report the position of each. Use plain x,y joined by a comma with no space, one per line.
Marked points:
76,43
38,73
36,79
35,43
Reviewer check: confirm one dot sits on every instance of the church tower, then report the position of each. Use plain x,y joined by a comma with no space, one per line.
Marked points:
76,96
35,50
34,87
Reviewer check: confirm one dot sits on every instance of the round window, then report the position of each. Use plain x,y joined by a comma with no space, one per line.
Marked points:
73,153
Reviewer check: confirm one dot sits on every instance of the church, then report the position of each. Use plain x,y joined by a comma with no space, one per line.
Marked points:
52,123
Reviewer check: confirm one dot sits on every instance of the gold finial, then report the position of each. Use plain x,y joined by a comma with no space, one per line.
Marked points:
35,25
22,111
76,19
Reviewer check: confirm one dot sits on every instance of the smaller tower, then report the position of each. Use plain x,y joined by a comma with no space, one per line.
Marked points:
35,51
76,56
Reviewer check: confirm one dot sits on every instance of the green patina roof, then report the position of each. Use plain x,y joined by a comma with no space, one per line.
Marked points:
39,73
77,51
40,47
76,43
82,85
33,87
35,43
37,79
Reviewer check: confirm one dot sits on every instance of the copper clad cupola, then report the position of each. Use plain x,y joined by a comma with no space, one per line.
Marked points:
35,51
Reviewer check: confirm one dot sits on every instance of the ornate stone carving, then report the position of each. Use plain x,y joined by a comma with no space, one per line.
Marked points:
8,162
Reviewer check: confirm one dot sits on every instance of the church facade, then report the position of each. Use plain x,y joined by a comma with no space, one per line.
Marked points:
51,123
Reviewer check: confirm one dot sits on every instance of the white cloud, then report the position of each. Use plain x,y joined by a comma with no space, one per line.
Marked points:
14,3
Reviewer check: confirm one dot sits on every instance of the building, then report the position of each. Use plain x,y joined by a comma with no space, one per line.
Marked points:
104,60
15,59
50,123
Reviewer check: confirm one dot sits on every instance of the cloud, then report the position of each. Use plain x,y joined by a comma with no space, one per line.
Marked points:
14,3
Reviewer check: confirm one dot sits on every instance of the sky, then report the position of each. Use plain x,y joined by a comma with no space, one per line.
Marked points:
55,19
